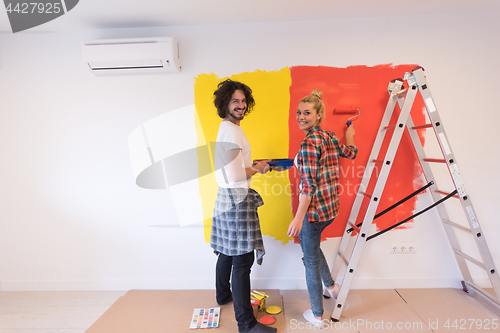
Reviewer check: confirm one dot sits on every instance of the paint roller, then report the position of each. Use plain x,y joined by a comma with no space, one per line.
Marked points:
347,110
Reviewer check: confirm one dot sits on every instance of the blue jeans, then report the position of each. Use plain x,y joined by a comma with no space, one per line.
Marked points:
238,268
315,263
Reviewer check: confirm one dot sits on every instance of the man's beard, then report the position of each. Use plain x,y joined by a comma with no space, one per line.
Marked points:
235,116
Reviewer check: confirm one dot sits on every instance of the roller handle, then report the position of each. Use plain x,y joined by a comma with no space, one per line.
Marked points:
349,123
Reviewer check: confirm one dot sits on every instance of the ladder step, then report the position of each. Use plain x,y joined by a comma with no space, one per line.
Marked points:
458,226
389,127
402,92
435,160
446,193
365,194
421,126
344,260
378,161
354,226
472,260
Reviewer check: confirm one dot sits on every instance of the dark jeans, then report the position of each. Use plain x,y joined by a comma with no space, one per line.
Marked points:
240,280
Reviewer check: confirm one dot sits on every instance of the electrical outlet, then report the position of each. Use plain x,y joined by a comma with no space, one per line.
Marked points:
401,248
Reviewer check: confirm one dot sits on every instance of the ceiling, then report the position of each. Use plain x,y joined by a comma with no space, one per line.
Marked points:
104,14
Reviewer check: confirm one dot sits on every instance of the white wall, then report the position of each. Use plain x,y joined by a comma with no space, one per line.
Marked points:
72,218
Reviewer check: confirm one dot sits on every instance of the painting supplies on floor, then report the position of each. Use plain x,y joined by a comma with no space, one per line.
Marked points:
267,320
273,309
348,110
260,296
255,306
205,318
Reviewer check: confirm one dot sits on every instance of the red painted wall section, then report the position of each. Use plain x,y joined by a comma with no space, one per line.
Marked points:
365,88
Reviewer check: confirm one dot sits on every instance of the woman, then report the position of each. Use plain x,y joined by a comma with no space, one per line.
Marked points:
318,164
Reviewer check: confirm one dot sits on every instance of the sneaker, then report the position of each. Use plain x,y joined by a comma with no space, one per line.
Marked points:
332,293
309,316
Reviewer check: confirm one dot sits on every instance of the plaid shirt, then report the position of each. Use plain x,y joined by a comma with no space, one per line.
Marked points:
235,223
318,165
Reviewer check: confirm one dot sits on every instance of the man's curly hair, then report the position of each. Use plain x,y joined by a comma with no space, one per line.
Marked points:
224,92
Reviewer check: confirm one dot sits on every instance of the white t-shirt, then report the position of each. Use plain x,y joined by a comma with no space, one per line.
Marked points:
230,136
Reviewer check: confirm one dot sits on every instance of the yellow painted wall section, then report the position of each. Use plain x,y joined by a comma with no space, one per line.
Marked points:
266,128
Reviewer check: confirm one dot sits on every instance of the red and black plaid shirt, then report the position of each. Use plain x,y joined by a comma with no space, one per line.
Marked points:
318,165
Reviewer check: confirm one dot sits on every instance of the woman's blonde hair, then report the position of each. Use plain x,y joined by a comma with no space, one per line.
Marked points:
315,100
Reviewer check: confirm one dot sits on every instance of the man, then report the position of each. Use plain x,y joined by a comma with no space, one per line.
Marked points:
235,224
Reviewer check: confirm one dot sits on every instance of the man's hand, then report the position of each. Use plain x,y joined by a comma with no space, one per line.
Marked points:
262,166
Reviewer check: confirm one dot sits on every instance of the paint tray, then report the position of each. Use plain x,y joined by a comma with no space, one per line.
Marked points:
285,163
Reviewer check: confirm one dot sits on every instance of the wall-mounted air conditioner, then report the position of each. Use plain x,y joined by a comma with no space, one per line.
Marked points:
156,54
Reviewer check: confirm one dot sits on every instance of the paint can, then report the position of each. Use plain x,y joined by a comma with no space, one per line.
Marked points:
261,297
255,306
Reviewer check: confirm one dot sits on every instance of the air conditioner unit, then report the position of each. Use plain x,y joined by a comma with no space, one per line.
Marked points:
144,55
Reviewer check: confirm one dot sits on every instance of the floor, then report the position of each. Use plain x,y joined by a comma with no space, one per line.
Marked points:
369,311
53,312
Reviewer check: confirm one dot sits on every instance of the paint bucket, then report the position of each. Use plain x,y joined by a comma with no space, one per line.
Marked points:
255,306
261,297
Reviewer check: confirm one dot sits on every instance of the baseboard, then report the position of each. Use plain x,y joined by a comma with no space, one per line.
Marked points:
190,284
291,284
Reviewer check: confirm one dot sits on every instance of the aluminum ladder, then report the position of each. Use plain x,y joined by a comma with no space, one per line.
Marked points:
356,236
